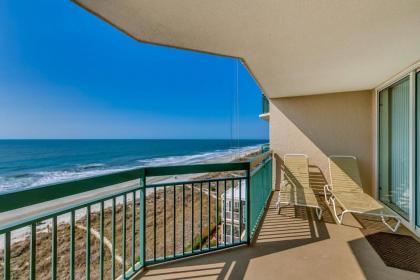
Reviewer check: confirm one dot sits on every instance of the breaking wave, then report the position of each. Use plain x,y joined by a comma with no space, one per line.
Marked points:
32,179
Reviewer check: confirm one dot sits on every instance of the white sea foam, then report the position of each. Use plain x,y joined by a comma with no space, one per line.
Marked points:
48,177
218,155
29,180
91,165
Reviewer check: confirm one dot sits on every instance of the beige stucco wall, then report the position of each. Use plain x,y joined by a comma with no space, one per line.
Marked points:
322,125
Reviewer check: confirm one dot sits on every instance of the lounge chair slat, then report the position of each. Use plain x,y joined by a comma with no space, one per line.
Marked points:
346,188
297,190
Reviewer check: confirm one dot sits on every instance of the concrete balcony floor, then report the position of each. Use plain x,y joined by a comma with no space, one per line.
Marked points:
293,245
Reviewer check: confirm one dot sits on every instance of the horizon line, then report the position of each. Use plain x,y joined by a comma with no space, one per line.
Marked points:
8,139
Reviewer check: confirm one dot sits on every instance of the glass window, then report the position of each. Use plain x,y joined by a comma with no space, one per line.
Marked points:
236,209
228,230
236,231
394,146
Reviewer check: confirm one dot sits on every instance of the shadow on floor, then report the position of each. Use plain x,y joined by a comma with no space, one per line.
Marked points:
293,227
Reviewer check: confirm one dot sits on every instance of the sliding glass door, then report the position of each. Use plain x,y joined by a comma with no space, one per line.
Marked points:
394,129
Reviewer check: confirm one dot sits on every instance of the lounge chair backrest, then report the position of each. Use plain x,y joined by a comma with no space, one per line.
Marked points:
296,170
344,174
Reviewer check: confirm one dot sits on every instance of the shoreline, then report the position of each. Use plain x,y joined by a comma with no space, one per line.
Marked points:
20,176
23,233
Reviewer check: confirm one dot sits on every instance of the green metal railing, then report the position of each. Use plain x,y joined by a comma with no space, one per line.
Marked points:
120,233
260,189
265,105
265,148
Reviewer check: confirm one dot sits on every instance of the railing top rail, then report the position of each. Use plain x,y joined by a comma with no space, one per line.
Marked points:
260,157
261,165
22,198
61,210
195,181
196,168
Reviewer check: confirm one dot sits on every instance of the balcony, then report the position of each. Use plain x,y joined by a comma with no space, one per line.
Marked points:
265,112
294,245
116,225
127,226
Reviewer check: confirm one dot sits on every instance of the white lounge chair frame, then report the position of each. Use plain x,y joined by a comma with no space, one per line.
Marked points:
329,190
285,182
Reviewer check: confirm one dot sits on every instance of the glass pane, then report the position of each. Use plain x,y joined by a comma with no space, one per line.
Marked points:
418,150
393,147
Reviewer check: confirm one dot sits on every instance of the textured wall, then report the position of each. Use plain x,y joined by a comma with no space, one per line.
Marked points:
323,125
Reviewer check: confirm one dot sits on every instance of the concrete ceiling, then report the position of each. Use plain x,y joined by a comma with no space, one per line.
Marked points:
292,47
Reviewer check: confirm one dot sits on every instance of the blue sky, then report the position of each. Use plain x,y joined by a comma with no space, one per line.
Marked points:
66,74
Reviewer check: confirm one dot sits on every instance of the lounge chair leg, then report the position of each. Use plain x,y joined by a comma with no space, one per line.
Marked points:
325,195
342,216
393,229
319,213
339,218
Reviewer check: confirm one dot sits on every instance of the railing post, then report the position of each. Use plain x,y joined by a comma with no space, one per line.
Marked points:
142,219
248,205
6,256
33,252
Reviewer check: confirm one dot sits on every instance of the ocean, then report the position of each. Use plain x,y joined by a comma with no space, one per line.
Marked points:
31,163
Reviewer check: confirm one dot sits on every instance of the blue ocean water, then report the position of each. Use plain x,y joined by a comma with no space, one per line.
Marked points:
30,163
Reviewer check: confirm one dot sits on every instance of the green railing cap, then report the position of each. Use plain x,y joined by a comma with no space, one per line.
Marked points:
22,198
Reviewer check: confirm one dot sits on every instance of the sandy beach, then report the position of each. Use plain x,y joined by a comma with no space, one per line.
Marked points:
30,211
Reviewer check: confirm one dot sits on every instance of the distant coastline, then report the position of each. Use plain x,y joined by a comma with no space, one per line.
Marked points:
30,163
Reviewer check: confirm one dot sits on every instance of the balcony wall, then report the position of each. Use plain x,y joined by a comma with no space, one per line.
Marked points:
323,125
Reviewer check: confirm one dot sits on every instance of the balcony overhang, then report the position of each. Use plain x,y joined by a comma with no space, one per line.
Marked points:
265,116
291,47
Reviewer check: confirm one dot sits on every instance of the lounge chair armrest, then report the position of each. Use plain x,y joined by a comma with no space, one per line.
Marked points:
327,191
328,188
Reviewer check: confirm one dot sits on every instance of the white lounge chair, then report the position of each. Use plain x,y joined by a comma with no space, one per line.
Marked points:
295,188
346,189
